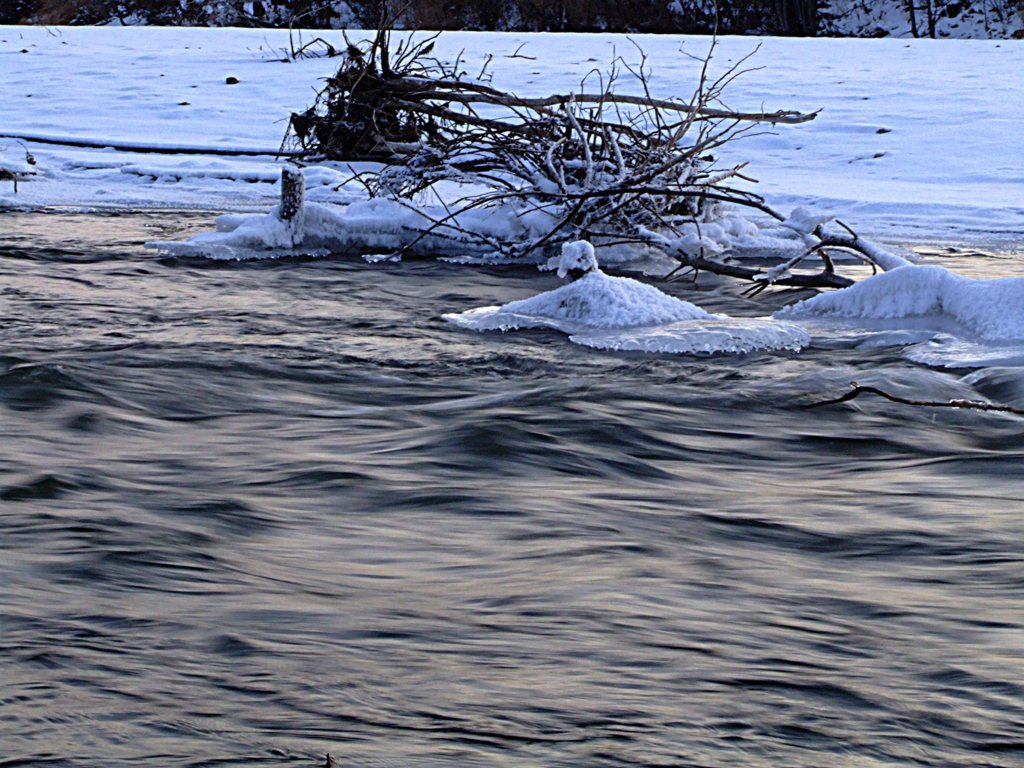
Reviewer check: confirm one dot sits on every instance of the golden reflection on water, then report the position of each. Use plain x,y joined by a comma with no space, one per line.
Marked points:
1004,261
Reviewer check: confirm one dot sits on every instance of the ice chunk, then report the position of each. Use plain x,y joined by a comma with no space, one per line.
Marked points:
945,351
719,335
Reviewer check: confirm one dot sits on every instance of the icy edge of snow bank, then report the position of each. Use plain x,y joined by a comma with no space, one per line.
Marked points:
983,310
369,226
385,226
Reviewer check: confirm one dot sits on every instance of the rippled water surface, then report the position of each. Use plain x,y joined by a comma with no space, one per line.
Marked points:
252,514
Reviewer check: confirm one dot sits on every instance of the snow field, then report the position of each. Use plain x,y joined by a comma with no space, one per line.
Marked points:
918,140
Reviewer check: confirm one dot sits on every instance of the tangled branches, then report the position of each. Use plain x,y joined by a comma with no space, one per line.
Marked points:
608,166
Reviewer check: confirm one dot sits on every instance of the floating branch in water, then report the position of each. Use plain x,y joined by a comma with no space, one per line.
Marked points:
859,389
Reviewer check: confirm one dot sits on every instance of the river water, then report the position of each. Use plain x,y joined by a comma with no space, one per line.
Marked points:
252,514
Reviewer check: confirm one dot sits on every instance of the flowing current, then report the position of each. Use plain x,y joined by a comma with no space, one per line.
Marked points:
254,513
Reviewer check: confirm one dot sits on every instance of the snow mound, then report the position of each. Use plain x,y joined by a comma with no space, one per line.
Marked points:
619,313
595,301
979,310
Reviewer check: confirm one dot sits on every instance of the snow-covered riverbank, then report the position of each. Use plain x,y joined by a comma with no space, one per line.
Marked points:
917,140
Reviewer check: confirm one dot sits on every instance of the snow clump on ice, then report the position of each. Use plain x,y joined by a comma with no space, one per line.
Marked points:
577,256
983,310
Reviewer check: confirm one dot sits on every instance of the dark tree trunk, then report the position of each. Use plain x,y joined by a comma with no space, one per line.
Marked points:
796,17
912,12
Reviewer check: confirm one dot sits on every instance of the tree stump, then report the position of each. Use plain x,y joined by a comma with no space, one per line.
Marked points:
292,209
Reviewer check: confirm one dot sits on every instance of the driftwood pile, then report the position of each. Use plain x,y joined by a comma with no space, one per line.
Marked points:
604,165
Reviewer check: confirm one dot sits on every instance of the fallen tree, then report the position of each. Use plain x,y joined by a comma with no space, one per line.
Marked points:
616,168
